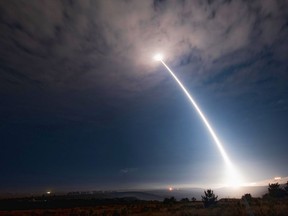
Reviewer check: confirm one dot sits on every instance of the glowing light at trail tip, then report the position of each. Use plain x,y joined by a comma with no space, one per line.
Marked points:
233,178
158,57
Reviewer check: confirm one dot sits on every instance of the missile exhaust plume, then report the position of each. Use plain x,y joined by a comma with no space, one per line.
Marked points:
233,175
215,138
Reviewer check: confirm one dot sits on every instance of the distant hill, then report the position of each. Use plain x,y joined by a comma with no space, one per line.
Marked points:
255,191
160,194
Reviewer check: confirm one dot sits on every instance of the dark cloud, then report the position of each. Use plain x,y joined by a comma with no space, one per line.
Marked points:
125,171
83,44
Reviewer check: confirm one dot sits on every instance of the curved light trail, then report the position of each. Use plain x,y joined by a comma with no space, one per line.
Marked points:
234,178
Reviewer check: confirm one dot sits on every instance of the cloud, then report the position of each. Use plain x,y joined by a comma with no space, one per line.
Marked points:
109,44
282,180
125,171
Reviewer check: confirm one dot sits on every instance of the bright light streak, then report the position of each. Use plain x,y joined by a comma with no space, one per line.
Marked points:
233,176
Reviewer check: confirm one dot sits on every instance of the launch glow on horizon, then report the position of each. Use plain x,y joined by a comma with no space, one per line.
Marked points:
233,175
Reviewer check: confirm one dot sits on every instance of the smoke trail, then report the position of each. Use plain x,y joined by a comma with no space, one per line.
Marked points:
232,172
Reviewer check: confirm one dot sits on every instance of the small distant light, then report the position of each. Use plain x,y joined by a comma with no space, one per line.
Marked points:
277,178
170,189
48,192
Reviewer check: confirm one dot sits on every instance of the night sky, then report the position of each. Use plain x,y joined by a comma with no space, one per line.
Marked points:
84,106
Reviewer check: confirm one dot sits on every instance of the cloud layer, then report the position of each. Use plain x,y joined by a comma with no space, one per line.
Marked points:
109,44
